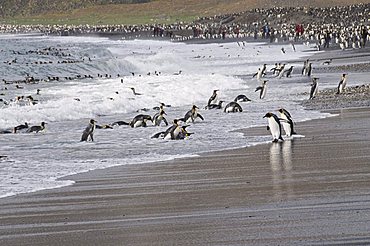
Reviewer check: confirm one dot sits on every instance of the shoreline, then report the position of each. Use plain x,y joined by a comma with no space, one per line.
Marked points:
241,192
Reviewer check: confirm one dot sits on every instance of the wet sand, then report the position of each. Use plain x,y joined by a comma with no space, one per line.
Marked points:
311,190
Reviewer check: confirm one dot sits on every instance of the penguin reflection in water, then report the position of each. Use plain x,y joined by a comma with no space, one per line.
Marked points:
274,126
89,131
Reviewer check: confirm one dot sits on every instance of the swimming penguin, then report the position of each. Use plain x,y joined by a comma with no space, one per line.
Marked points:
314,88
135,93
173,131
274,126
140,120
21,127
233,107
287,122
120,123
342,83
37,128
89,131
191,115
262,89
215,106
162,105
103,126
242,98
159,117
213,99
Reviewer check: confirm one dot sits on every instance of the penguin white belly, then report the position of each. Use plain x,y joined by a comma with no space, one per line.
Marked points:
287,129
263,93
229,109
274,128
138,123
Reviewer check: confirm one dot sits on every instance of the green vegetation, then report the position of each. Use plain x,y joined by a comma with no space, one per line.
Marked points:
132,11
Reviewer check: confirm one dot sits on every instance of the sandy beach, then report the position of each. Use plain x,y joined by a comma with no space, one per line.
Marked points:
312,190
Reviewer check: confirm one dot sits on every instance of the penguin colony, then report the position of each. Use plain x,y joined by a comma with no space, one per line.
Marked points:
178,129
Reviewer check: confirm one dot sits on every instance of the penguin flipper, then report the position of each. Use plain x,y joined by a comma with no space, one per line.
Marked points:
268,128
165,121
200,116
258,88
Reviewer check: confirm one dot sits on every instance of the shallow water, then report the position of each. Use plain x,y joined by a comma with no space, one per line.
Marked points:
35,161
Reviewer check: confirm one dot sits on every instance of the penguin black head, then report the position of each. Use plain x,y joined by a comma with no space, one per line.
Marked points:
43,124
281,110
268,115
175,121
92,121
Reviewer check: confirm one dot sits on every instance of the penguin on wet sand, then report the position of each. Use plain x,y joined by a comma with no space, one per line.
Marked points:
191,115
274,126
314,88
89,131
342,84
287,122
233,107
37,129
262,89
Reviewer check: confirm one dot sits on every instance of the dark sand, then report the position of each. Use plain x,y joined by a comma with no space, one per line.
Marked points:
312,190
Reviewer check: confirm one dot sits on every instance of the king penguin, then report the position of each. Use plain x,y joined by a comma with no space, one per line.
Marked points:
274,126
140,120
173,131
159,117
314,88
287,122
37,129
233,107
89,131
191,115
342,83
242,98
213,99
262,89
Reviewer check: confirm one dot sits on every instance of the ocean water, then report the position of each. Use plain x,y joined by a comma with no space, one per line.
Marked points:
35,161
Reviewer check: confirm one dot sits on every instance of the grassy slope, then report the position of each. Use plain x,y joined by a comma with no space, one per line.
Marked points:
162,11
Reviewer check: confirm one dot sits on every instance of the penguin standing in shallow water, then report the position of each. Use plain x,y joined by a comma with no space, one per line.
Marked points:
314,88
213,99
159,117
274,126
89,131
191,115
342,83
262,89
287,122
